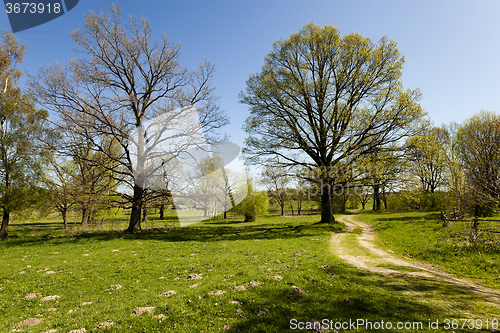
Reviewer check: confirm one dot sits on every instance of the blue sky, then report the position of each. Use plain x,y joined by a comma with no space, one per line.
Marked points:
451,47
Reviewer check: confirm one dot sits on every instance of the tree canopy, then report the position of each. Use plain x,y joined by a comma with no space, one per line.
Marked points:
478,141
321,98
123,81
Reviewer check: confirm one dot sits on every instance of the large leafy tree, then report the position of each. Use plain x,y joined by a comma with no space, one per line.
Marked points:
478,146
321,98
123,80
20,127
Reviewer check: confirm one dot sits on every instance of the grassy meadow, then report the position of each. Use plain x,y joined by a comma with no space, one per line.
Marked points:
213,276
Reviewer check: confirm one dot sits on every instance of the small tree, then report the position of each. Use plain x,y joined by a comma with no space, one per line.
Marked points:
276,180
254,204
428,158
478,140
58,179
382,170
363,195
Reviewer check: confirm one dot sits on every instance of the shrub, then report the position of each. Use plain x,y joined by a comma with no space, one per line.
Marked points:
255,203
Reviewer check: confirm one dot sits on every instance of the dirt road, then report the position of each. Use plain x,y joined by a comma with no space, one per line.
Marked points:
357,248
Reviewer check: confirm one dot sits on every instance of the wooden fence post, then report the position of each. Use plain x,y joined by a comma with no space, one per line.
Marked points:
446,222
475,227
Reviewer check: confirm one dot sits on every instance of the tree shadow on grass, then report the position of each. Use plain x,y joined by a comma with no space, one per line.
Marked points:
224,222
201,232
353,295
27,228
370,297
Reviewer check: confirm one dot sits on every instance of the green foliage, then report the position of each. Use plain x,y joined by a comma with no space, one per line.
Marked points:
382,170
478,146
21,126
353,202
255,203
418,199
428,157
26,200
437,200
485,206
340,202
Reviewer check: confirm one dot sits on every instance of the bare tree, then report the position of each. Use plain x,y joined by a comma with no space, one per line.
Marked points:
58,179
123,80
276,181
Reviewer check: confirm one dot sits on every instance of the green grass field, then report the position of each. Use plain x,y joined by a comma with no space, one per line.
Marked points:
248,274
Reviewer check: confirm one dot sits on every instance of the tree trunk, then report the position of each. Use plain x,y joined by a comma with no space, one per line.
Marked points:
85,217
65,219
91,216
326,207
376,197
282,204
162,212
5,225
344,202
135,217
145,214
228,187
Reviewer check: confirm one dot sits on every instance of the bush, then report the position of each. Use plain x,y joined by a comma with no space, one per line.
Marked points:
485,206
435,201
419,199
255,203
